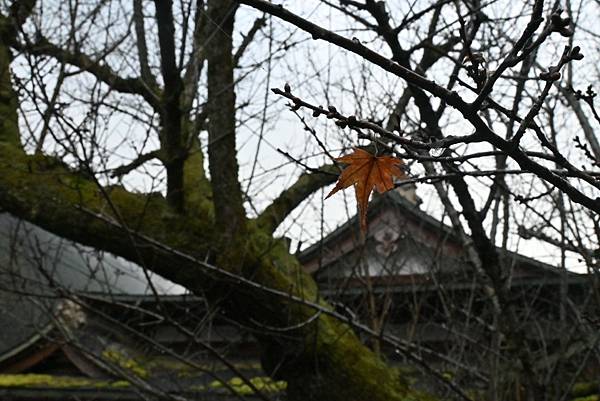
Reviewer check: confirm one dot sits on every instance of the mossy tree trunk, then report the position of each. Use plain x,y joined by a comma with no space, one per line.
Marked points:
322,357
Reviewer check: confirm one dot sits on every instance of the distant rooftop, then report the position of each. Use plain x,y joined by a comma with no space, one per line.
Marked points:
34,263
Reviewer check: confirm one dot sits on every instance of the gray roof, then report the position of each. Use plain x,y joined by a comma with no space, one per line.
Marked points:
36,265
394,199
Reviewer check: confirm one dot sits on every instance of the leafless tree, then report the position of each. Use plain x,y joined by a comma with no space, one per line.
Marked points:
110,113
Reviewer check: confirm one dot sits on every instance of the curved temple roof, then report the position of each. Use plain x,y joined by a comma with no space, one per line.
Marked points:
35,263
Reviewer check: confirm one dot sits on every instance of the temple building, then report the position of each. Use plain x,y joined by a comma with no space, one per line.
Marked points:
78,324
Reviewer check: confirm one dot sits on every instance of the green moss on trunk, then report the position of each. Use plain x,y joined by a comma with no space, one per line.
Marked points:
31,380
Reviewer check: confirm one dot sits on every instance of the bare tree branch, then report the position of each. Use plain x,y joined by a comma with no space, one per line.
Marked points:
291,197
140,160
142,47
102,72
248,37
452,98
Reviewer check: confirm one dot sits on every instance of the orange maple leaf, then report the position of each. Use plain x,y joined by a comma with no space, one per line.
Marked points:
366,172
